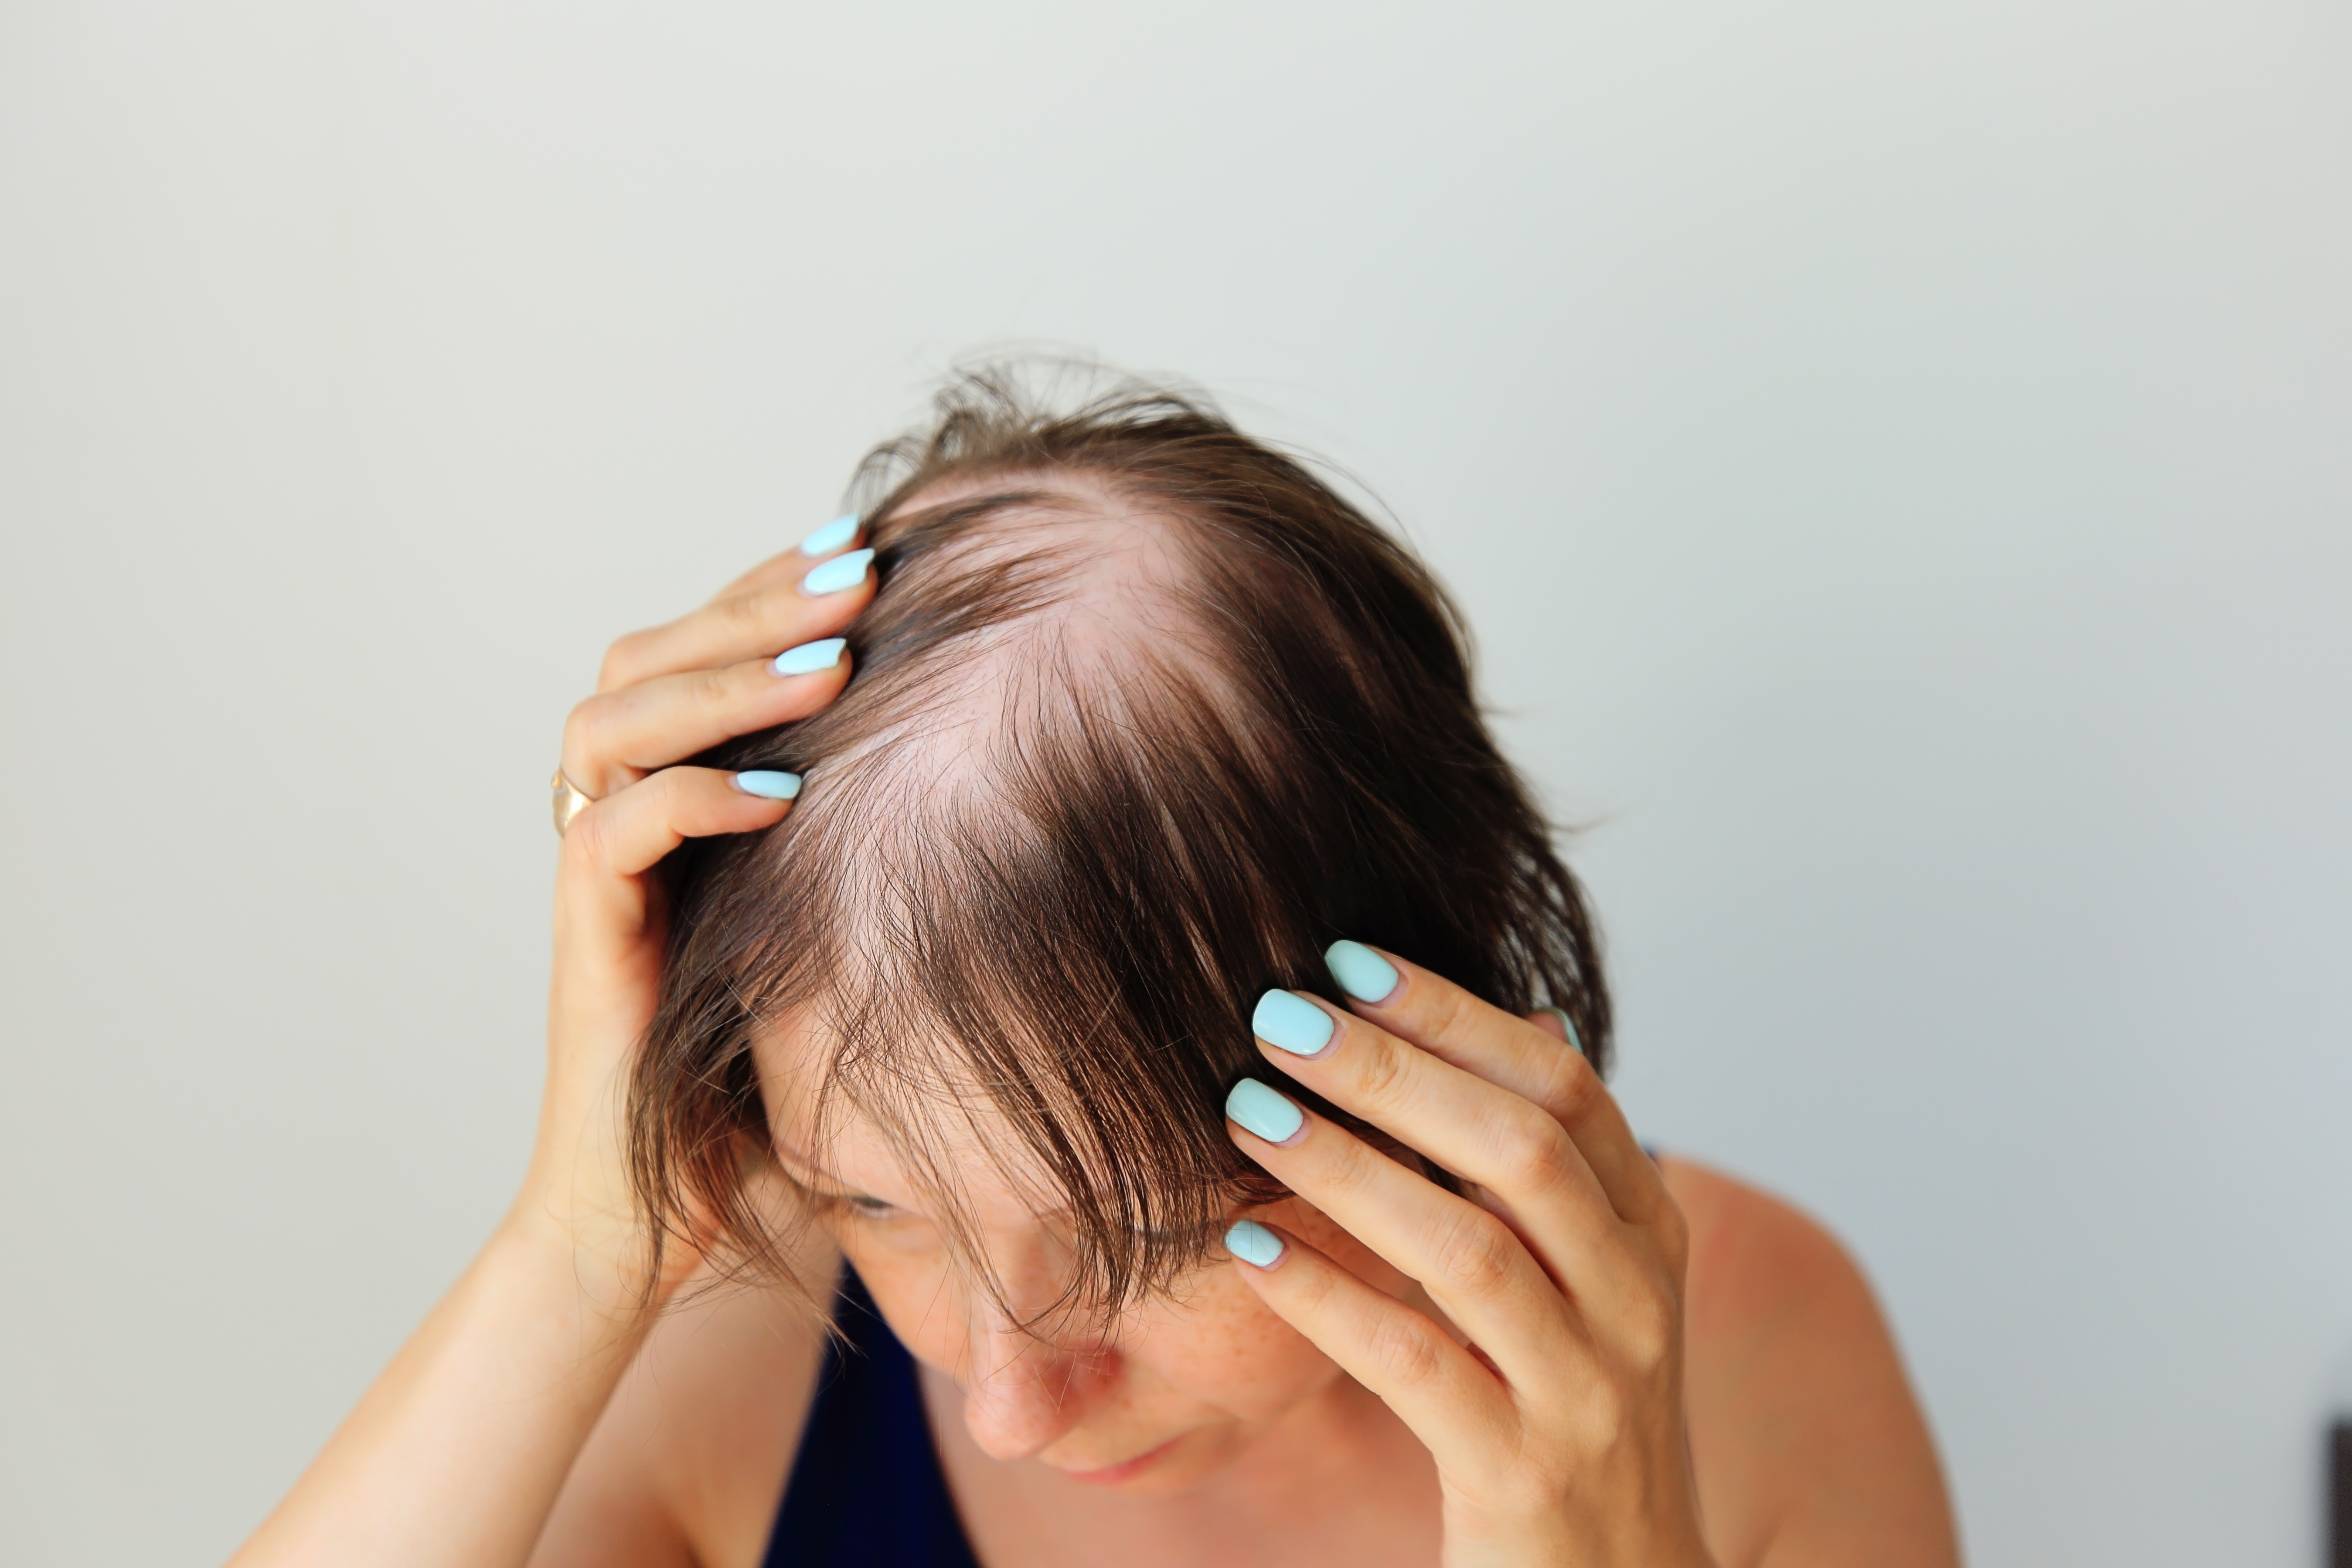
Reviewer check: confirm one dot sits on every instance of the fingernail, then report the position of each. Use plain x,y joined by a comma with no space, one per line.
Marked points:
1261,1111
1566,1024
841,572
1253,1244
810,657
769,786
1291,1023
1362,973
831,537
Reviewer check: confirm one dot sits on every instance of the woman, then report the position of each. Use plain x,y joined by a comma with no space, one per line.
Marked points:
1166,1025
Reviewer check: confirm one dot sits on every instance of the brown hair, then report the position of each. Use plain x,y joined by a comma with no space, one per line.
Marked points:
1144,715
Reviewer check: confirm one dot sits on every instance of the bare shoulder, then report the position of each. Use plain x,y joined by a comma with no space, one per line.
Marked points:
1757,1262
687,1463
1810,1445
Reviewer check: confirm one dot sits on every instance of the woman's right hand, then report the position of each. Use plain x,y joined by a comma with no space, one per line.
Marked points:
765,650
457,1453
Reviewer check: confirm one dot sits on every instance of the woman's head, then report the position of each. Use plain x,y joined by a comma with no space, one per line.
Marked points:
1144,716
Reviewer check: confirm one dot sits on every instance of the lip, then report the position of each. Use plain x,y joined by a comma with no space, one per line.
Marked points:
1126,1469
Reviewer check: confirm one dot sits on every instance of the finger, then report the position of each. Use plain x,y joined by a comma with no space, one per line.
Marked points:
1451,1024
840,534
1461,1412
625,834
1514,1148
783,611
614,738
1468,1260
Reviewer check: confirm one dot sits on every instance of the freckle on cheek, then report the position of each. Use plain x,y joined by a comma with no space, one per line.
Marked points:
1245,1358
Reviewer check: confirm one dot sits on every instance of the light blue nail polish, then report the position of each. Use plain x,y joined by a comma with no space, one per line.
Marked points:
841,572
769,786
1362,973
810,657
1253,1244
1261,1111
831,537
1291,1023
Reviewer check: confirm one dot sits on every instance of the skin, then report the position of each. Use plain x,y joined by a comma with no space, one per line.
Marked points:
1670,1368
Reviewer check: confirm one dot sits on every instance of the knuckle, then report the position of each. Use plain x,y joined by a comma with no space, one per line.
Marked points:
1474,1253
710,688
588,842
585,725
746,611
669,792
1451,1011
1650,1330
1313,1289
1403,1346
1673,1236
1319,1294
1573,1085
1379,1075
622,661
1348,1170
1531,1149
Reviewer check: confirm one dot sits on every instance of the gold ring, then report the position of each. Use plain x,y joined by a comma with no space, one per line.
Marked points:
569,802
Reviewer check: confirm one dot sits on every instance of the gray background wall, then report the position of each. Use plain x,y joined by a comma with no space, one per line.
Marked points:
1897,459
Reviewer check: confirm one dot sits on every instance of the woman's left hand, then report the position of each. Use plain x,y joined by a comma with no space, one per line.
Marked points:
1557,1431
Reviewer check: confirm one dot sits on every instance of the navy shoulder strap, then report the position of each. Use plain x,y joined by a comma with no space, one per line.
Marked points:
866,1491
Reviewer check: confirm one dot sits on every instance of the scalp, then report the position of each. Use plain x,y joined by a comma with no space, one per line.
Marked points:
1088,591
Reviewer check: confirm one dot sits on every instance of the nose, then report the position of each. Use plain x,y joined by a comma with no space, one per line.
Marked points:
1024,1392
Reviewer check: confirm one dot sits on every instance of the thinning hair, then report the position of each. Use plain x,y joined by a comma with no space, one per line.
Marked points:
1145,714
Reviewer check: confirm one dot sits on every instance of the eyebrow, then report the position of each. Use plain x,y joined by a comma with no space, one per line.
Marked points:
828,1185
816,1177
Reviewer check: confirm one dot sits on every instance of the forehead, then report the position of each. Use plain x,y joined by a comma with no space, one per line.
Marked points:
841,1146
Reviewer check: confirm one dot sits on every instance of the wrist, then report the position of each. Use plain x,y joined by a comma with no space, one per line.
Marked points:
600,1258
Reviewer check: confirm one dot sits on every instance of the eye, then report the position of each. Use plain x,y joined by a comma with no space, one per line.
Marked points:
866,1207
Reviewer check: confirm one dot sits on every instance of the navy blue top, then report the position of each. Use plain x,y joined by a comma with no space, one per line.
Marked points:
866,1491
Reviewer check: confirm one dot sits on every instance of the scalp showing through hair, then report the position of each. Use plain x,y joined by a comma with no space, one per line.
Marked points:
1144,716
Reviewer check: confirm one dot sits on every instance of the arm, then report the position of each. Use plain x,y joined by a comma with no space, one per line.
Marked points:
456,1452
689,1460
455,1455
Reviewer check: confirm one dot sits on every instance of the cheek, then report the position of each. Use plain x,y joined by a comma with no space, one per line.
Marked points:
1220,1345
909,1279
1223,1346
